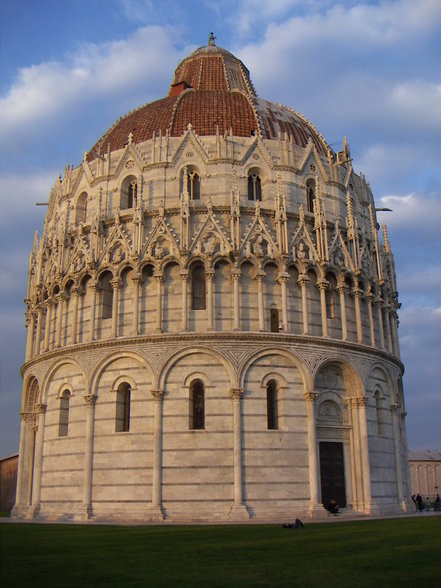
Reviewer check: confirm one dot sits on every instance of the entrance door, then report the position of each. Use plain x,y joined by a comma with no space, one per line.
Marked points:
332,473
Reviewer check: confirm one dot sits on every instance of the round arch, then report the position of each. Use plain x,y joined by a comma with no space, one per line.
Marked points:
351,377
177,355
106,361
297,361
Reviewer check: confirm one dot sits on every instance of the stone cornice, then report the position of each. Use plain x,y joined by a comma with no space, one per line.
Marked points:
283,341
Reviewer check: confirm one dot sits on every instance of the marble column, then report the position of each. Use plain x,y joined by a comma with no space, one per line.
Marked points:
159,281
30,324
38,461
209,277
342,289
87,509
40,313
184,302
315,508
322,285
116,286
357,296
387,328
369,299
238,510
75,296
380,321
302,282
93,289
235,274
283,280
137,282
155,511
47,324
259,277
398,465
369,507
19,502
59,320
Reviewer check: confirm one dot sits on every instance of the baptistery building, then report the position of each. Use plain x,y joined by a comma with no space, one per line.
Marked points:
212,321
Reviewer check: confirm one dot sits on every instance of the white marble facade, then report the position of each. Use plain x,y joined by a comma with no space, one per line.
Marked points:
160,273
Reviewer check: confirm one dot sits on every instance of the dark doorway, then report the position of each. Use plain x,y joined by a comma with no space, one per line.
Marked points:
332,473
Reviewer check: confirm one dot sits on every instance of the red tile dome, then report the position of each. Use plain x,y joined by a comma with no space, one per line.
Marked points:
212,91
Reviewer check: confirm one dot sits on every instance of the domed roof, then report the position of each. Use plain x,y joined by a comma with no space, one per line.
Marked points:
212,91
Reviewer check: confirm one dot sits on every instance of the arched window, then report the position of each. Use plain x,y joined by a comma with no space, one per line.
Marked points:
197,405
310,194
193,184
198,297
254,187
379,411
106,296
330,303
128,193
63,424
272,409
122,418
274,320
81,209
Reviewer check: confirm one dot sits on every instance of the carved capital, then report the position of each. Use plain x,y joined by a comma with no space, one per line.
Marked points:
157,393
302,281
137,278
311,396
237,393
90,399
41,408
116,283
342,288
235,274
184,275
27,416
209,275
322,285
360,401
283,278
395,407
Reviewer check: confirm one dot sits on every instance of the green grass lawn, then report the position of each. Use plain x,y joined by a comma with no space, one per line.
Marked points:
383,553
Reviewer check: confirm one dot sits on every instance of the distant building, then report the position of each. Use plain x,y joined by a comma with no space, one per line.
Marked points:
425,472
212,321
8,482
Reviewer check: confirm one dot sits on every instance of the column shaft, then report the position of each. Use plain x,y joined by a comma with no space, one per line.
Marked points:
259,278
236,306
157,451
88,455
344,324
302,283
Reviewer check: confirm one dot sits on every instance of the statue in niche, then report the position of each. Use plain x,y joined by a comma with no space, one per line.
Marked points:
302,252
159,252
258,246
117,255
210,245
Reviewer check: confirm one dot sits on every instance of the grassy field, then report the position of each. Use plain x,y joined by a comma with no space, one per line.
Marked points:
383,553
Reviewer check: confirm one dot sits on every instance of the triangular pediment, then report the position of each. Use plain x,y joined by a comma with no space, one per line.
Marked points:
190,149
258,240
311,163
257,152
157,239
130,161
210,239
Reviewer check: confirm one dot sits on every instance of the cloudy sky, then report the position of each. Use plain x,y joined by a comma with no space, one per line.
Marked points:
369,71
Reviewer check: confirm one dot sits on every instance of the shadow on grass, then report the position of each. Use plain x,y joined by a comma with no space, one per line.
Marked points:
402,552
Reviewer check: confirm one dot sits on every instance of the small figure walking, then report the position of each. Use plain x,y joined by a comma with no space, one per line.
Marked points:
419,500
437,503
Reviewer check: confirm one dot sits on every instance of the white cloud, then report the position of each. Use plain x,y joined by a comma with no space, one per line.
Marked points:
59,88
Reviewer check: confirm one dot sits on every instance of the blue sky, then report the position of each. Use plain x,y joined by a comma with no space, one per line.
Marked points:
369,71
